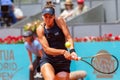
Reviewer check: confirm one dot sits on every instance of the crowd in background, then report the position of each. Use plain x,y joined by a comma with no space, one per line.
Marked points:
70,11
9,13
15,14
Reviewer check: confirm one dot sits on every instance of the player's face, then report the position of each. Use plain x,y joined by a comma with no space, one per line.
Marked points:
49,19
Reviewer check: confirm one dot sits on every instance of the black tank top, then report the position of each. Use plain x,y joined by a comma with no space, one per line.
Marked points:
55,37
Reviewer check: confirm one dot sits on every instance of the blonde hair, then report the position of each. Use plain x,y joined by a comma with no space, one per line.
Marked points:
49,4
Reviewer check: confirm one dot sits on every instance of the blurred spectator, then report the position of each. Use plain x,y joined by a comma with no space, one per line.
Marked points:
12,1
80,8
0,18
68,9
18,13
7,14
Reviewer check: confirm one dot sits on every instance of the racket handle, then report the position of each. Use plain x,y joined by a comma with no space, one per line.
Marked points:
79,58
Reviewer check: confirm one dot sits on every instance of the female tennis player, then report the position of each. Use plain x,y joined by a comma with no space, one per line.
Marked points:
52,34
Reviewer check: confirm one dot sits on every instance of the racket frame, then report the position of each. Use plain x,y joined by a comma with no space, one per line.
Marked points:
92,57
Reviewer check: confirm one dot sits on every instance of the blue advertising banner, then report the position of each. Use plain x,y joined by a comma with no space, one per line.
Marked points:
14,60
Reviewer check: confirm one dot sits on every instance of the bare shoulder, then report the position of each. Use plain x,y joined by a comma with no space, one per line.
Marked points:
60,18
60,21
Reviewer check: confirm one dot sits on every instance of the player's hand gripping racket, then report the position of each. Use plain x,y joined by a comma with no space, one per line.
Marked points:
103,62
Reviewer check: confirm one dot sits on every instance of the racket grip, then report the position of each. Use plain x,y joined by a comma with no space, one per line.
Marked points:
73,57
79,58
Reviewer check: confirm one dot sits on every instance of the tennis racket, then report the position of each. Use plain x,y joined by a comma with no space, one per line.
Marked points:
102,62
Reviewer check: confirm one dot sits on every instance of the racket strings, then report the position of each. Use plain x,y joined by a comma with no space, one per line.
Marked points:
104,63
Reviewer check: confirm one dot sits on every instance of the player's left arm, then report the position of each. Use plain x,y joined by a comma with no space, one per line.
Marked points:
62,24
